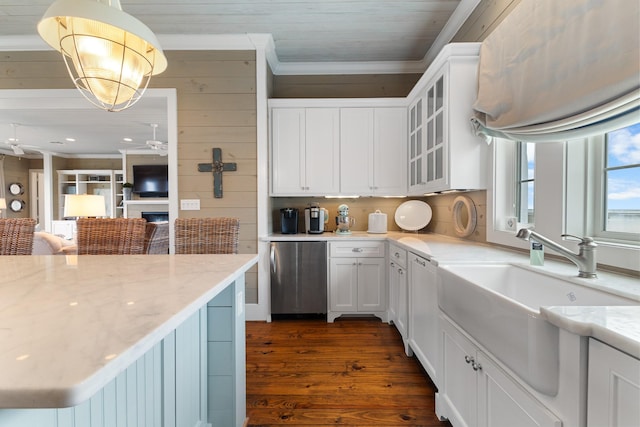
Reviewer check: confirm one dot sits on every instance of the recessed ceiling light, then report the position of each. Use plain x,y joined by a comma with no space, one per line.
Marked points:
127,139
70,139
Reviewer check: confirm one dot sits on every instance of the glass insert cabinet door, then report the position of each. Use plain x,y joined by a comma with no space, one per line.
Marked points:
416,176
434,147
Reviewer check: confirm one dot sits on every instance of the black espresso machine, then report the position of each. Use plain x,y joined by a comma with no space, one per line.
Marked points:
289,221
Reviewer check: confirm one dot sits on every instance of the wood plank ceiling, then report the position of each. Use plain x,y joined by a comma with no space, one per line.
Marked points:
303,30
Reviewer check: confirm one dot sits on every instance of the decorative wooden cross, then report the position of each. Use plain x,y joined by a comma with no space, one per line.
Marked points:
217,167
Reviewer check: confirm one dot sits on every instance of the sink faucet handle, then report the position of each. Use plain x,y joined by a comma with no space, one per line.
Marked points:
583,240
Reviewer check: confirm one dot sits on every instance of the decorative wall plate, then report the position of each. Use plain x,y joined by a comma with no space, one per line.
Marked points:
413,215
16,205
16,189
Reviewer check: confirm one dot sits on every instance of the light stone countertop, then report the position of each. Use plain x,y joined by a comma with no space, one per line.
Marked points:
618,326
70,324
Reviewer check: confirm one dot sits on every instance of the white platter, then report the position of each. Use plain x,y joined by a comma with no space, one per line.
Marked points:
413,215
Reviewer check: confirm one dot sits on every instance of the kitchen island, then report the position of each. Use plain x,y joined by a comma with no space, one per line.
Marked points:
141,340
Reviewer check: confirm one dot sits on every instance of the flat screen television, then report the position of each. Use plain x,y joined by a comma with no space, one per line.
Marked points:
151,180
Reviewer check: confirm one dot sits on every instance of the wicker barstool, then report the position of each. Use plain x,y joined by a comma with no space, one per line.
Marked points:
156,238
111,236
16,236
207,235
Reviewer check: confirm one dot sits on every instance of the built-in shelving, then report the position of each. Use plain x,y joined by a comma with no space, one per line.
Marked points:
105,182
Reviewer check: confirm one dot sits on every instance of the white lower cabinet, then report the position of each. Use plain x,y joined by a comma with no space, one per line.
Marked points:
475,391
614,387
423,313
357,279
399,294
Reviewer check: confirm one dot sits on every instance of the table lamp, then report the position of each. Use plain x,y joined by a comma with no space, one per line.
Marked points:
84,205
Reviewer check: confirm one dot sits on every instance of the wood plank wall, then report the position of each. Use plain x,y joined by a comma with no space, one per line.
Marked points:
344,86
216,108
16,169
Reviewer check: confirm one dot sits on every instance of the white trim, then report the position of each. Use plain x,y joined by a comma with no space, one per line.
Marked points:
453,25
337,102
261,311
448,53
172,152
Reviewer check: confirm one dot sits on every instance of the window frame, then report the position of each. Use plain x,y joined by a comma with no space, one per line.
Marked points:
521,163
566,187
598,167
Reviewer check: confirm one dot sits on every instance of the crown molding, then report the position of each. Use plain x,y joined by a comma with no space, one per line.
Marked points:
450,29
243,42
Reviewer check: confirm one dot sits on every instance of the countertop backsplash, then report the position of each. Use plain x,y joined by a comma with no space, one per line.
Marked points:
360,208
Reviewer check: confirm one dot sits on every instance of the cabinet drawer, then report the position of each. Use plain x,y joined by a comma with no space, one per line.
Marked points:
358,248
398,255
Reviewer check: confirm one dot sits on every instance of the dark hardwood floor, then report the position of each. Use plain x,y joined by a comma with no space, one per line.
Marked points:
353,372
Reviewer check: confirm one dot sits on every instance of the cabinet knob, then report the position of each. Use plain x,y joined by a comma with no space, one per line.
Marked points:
469,359
422,263
400,271
397,255
392,264
356,250
476,366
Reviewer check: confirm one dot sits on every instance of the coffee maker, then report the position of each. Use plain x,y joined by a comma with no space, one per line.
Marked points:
289,221
314,219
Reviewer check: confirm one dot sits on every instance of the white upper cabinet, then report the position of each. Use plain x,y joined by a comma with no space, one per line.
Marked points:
338,147
444,153
305,151
373,151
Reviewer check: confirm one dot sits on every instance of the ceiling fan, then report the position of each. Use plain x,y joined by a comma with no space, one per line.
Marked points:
13,143
153,143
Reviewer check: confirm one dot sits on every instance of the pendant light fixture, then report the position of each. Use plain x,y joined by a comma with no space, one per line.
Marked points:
110,55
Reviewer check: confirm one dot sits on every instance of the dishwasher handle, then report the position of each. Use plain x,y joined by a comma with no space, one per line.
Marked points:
272,256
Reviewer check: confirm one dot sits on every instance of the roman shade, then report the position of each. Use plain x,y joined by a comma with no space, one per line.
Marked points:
558,70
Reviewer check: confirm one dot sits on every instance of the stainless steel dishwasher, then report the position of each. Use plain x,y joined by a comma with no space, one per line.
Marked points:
298,277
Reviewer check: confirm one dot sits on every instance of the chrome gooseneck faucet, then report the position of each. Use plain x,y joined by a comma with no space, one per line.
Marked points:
585,259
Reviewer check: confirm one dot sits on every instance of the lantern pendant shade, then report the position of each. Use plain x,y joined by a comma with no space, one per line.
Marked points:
110,55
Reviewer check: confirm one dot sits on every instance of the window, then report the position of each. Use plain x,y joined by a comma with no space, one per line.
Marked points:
525,182
620,198
582,187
